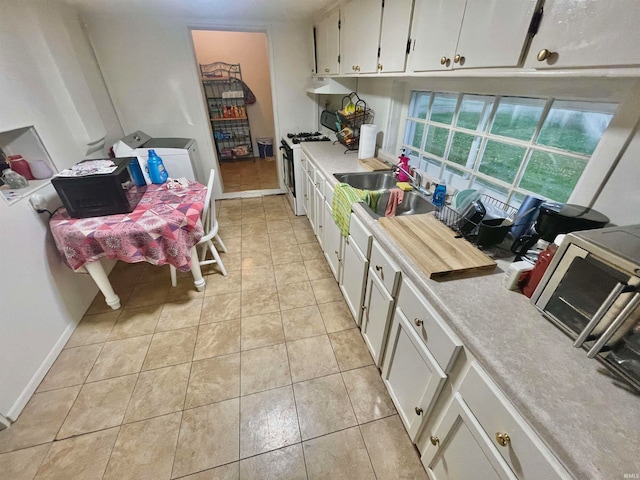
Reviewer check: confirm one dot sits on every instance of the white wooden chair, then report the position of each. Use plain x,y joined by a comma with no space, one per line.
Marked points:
210,224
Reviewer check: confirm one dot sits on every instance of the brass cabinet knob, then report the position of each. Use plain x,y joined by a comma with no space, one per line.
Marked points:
544,54
434,440
503,439
444,60
380,66
418,322
418,411
357,68
458,59
326,70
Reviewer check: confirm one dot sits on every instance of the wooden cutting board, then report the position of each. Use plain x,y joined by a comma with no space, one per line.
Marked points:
373,164
434,246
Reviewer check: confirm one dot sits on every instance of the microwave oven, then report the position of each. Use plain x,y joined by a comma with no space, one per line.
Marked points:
591,291
102,194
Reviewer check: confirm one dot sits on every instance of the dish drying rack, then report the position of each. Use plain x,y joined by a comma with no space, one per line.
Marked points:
467,227
350,123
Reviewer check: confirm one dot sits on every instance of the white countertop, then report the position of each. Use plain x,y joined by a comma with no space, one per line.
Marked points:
588,420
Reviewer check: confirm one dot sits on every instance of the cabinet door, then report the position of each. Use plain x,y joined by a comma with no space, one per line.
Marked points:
309,202
376,317
360,36
460,449
319,206
589,33
494,34
434,33
396,21
328,44
411,374
332,242
354,276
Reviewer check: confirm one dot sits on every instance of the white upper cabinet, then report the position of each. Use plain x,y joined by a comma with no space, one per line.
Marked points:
327,38
456,34
588,33
396,21
360,35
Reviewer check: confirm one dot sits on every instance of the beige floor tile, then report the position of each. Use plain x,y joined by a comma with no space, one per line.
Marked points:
276,214
326,290
323,406
259,277
93,329
253,218
158,392
218,308
305,366
275,226
284,464
209,437
23,464
218,285
296,295
368,394
255,243
310,250
148,294
339,455
40,420
268,421
185,289
229,231
301,224
71,367
180,314
255,228
213,380
350,349
302,323
100,306
264,368
231,261
171,348
391,451
257,258
304,236
318,269
249,202
99,405
120,357
230,471
135,322
283,253
261,330
288,273
145,449
336,316
259,301
214,339
85,456
234,245
282,239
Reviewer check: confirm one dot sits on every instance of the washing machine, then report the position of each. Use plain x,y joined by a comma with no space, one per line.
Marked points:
179,155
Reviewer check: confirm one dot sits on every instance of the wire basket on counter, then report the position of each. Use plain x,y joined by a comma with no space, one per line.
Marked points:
472,222
353,114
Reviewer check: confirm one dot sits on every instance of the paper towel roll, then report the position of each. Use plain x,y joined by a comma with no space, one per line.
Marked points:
367,145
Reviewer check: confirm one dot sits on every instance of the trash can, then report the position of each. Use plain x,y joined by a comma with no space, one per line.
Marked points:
265,147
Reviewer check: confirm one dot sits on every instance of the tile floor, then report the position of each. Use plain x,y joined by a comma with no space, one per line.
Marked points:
249,174
264,375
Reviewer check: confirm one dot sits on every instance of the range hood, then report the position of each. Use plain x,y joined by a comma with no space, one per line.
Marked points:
327,85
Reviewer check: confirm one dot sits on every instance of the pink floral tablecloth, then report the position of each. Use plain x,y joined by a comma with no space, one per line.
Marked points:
162,229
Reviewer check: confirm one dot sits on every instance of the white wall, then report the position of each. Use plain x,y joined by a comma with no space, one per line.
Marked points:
151,72
41,300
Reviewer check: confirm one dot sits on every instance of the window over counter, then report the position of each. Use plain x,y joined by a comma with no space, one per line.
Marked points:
508,147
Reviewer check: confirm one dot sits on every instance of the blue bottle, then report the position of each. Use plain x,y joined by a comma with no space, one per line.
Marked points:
136,173
157,172
439,193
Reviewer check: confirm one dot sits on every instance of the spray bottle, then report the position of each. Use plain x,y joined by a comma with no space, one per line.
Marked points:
403,163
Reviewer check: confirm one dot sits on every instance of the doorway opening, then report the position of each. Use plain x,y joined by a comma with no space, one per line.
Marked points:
236,80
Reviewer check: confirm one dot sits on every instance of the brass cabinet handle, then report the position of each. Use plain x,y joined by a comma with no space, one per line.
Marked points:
458,59
418,411
380,66
363,307
434,440
418,322
503,439
326,70
544,54
378,268
357,68
446,61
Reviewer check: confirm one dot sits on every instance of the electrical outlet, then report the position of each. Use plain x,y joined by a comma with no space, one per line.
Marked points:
38,203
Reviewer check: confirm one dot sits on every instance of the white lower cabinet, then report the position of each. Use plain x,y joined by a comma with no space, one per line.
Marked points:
376,317
332,242
354,277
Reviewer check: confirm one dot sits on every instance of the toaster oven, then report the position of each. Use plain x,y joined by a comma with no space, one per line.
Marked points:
100,194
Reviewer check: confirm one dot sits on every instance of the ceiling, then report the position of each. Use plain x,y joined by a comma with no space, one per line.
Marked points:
221,10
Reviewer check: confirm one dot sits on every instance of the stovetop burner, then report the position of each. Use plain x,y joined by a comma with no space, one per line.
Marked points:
308,137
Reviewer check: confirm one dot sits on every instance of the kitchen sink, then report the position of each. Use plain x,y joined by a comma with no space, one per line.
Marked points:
368,180
412,203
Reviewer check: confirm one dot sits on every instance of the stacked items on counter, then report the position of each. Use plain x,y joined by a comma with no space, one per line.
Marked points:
16,171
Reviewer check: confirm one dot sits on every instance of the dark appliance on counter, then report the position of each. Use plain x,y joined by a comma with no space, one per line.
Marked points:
591,290
556,218
100,194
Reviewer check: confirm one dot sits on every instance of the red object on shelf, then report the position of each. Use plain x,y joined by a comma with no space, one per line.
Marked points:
530,282
20,165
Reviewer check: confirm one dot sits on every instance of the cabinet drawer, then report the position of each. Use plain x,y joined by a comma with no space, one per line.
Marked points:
360,235
525,453
319,183
384,268
441,341
328,193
